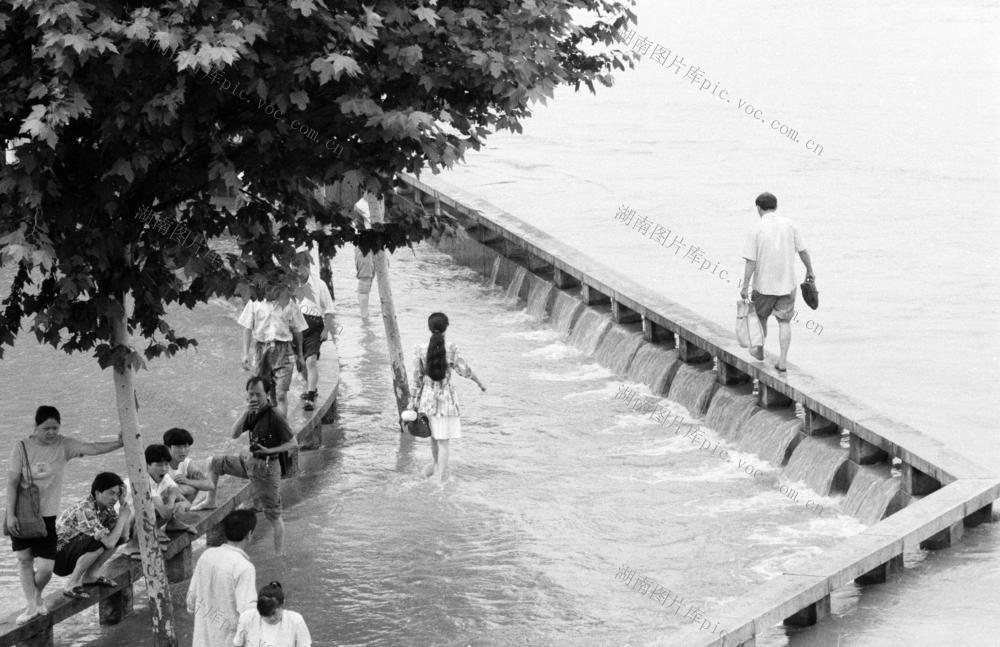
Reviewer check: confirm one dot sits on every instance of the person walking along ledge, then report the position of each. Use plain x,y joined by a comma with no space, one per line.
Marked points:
435,396
770,259
317,309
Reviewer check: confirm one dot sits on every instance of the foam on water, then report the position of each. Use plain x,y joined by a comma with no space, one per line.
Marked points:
531,335
693,387
818,462
616,349
584,373
590,328
557,350
654,366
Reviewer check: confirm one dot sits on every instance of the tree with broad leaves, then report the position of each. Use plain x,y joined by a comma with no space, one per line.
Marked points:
125,120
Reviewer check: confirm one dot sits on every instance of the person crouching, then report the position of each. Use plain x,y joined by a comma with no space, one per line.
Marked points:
89,531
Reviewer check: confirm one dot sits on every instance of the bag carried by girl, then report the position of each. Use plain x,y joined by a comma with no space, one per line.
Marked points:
421,427
27,507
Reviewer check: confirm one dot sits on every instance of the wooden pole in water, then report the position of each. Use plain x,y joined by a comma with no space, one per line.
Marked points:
376,208
153,568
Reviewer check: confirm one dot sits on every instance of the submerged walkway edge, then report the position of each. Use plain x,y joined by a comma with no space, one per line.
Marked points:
942,492
114,603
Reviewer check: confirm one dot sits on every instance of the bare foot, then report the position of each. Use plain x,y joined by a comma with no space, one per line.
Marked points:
206,504
429,470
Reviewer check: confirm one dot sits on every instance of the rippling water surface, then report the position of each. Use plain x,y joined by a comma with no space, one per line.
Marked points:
556,485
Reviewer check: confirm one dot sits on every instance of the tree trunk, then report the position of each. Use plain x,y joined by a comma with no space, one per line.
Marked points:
153,569
376,207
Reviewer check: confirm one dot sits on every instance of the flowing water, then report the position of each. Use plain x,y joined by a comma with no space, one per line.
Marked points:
556,485
693,387
565,310
516,285
871,493
772,435
589,329
654,366
539,296
617,348
818,462
730,409
898,211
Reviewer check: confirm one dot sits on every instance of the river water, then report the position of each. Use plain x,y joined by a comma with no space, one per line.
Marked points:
557,487
899,212
557,484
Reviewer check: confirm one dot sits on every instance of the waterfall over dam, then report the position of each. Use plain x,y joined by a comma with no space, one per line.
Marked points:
808,432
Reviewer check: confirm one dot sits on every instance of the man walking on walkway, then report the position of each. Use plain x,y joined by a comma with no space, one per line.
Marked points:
224,583
317,310
364,265
770,259
272,344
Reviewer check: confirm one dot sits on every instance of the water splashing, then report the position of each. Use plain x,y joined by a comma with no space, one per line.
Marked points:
772,435
731,407
693,387
565,311
821,463
617,348
871,493
538,296
655,367
495,271
514,289
589,330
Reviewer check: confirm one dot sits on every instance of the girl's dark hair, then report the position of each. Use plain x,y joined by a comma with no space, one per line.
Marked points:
270,598
45,412
437,355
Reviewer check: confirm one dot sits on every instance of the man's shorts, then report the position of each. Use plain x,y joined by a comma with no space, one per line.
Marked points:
41,547
282,360
264,476
75,548
312,338
364,285
781,306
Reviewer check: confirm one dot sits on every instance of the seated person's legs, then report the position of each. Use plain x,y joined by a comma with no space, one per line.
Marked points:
81,559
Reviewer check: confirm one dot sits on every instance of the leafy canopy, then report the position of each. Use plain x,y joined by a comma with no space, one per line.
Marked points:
127,120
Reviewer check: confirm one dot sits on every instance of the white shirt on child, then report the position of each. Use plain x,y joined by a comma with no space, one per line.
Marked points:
182,469
156,490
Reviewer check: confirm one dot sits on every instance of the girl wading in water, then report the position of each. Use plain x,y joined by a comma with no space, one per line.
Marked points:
435,396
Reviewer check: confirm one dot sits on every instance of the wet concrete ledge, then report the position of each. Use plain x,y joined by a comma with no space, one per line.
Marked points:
115,603
945,491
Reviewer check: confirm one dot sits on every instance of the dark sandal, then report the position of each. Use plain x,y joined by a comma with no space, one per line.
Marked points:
101,581
780,370
77,593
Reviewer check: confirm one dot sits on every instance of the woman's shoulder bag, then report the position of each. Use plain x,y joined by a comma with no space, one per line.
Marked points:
27,507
